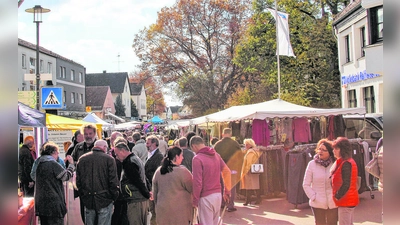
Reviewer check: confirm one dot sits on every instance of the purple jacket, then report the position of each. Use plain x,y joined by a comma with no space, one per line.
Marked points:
206,168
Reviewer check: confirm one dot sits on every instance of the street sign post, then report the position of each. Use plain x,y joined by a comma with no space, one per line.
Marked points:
51,97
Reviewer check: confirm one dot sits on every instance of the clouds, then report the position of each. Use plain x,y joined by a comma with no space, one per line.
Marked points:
91,32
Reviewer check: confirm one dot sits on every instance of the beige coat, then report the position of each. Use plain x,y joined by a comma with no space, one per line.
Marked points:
172,194
380,165
250,181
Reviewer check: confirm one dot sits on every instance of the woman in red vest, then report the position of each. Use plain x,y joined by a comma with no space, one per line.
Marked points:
344,181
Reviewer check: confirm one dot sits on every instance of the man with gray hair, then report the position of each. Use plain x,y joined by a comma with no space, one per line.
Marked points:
97,183
140,148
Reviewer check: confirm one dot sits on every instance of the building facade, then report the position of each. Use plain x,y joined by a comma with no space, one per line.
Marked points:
56,70
359,31
138,96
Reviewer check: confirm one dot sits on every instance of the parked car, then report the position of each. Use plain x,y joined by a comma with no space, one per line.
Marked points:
371,132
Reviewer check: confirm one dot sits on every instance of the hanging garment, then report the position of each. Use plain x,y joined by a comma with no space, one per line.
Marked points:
340,126
301,130
260,132
315,130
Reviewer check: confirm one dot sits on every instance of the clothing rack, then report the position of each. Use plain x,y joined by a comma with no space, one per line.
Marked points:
302,147
270,147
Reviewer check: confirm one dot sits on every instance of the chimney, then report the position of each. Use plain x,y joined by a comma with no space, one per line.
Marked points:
104,71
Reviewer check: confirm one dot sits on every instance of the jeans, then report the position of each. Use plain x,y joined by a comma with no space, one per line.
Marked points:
325,216
103,215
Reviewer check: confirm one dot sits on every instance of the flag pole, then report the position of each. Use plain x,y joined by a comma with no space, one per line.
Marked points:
277,49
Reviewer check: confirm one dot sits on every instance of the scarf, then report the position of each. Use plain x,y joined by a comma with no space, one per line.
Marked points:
324,163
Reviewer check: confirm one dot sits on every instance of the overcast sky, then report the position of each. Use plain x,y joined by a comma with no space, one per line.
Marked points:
92,33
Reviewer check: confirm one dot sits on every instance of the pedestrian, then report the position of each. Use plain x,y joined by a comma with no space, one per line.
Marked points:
317,184
208,167
89,137
233,156
153,162
172,190
250,182
35,164
134,187
140,148
119,216
162,145
97,183
213,141
50,203
26,158
187,153
344,180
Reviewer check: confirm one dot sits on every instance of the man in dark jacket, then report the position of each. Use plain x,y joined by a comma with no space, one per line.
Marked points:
152,163
232,155
187,153
134,186
97,183
27,156
89,135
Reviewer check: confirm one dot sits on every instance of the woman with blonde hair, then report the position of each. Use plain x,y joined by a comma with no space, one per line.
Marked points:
250,182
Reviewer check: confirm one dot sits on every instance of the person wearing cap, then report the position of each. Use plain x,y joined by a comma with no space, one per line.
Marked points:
97,183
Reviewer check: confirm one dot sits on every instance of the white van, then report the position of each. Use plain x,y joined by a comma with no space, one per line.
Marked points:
355,126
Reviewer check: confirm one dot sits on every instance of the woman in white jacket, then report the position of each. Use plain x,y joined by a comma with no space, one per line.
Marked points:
317,185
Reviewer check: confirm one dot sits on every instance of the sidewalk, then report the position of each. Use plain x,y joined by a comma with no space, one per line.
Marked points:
278,211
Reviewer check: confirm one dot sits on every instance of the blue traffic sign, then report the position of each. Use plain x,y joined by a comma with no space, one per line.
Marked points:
51,97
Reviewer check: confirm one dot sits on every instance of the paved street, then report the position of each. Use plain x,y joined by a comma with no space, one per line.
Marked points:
277,211
273,211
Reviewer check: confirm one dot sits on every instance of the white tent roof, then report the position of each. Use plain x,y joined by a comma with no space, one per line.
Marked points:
93,118
128,126
270,109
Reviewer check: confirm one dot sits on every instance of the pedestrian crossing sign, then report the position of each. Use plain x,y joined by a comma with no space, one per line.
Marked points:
51,97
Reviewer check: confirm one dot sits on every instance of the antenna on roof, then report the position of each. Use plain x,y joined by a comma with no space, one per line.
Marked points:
119,61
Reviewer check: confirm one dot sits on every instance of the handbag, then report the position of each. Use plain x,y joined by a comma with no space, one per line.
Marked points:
257,168
372,166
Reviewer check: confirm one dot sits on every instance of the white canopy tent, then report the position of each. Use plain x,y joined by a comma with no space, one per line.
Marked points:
93,118
271,109
128,126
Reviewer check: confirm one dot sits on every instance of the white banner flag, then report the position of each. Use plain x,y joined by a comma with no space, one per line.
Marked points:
285,48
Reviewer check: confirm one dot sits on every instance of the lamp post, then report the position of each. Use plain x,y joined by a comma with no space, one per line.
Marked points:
37,18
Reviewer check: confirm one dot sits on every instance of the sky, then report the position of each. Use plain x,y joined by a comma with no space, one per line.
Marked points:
93,33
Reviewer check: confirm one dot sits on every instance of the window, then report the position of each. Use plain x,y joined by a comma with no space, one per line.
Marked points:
347,47
72,97
24,61
62,72
376,24
352,98
32,65
41,65
363,41
49,67
81,99
72,75
64,96
369,99
80,77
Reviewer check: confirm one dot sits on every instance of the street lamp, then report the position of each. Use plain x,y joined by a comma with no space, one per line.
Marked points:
37,18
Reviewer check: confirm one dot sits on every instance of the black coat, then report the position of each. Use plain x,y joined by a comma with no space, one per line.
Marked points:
96,179
152,164
25,163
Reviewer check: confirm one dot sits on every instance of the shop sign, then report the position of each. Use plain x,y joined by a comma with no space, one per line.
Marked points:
352,78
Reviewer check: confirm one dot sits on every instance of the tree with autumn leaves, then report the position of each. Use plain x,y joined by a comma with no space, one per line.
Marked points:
192,44
220,53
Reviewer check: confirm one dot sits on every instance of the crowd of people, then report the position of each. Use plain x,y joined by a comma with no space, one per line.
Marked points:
138,179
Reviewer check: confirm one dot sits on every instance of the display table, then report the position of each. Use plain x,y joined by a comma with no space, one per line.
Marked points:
26,213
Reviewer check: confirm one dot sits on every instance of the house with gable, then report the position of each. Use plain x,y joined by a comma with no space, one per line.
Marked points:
101,102
118,83
138,96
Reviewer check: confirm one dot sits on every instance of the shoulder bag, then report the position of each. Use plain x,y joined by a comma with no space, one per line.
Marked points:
372,166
